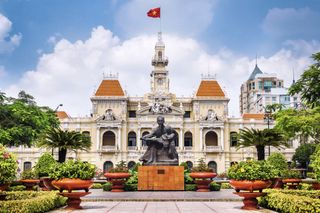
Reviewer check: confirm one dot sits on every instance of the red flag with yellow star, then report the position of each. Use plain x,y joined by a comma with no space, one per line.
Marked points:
154,13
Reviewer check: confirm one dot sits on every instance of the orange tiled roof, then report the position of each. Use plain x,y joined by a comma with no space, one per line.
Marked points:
257,116
210,88
109,88
62,114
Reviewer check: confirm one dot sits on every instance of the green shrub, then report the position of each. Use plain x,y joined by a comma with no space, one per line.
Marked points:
130,187
226,186
42,167
107,186
215,186
251,170
190,187
31,202
17,188
8,166
135,168
290,174
133,179
29,174
279,163
187,178
201,166
290,203
306,193
315,162
96,186
304,186
72,169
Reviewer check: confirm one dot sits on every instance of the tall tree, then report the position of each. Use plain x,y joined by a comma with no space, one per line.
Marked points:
308,85
303,153
65,140
21,122
260,139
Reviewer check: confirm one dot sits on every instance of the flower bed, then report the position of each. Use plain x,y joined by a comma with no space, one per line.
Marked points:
291,201
31,202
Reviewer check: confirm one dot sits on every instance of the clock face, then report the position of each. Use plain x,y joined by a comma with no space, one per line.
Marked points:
160,81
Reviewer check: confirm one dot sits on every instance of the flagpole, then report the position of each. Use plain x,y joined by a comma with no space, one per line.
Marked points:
160,19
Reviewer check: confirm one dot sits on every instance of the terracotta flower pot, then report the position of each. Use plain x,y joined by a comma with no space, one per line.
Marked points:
72,184
203,183
47,182
250,185
117,180
30,183
292,183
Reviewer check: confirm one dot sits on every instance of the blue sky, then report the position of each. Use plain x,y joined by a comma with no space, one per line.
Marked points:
224,35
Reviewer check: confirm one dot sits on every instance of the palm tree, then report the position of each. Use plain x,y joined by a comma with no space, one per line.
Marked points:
64,140
260,139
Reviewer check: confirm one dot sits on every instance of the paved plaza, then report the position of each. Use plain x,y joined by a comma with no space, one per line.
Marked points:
223,201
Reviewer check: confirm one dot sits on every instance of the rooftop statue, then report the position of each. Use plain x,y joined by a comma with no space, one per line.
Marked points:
161,146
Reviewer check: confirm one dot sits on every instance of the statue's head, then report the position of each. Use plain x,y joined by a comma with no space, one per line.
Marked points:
160,120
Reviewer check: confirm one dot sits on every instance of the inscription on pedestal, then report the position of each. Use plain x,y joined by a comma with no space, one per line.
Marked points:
160,178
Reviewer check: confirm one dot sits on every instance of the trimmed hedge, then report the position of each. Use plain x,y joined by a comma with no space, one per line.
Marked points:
226,186
190,187
31,202
291,201
215,186
96,186
107,186
17,188
130,187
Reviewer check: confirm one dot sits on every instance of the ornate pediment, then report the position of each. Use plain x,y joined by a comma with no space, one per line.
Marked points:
160,109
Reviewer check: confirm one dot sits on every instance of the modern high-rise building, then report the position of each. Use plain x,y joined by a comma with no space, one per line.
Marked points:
263,89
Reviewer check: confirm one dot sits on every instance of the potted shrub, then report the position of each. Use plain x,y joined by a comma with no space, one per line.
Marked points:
73,175
29,178
291,178
250,175
279,163
202,176
8,168
42,168
118,176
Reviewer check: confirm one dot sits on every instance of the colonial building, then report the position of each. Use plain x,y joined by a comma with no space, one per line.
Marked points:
118,122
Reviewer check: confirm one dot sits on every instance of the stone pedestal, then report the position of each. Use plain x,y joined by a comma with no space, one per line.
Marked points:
158,178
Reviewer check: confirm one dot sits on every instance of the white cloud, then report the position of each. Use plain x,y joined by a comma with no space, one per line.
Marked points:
7,42
188,17
69,74
291,22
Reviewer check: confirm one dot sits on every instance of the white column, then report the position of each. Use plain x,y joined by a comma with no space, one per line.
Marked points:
222,138
98,138
201,142
181,140
138,139
118,144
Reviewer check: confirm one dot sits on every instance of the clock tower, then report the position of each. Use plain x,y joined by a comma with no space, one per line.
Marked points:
159,75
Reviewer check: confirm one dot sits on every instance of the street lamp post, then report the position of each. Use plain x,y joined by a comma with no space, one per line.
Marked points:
268,118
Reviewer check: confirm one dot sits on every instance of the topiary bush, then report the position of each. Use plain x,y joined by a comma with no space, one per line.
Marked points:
279,163
226,186
45,162
251,170
8,166
96,186
72,169
29,174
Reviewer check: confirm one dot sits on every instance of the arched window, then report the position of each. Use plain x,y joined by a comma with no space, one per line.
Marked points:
176,140
132,139
190,164
27,165
109,139
131,164
233,138
213,165
143,134
188,139
160,55
211,139
107,166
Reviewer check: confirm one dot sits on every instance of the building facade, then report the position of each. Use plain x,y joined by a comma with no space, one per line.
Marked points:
261,90
118,122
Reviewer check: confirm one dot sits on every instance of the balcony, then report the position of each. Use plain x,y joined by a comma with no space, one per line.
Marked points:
213,149
108,148
188,148
132,148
